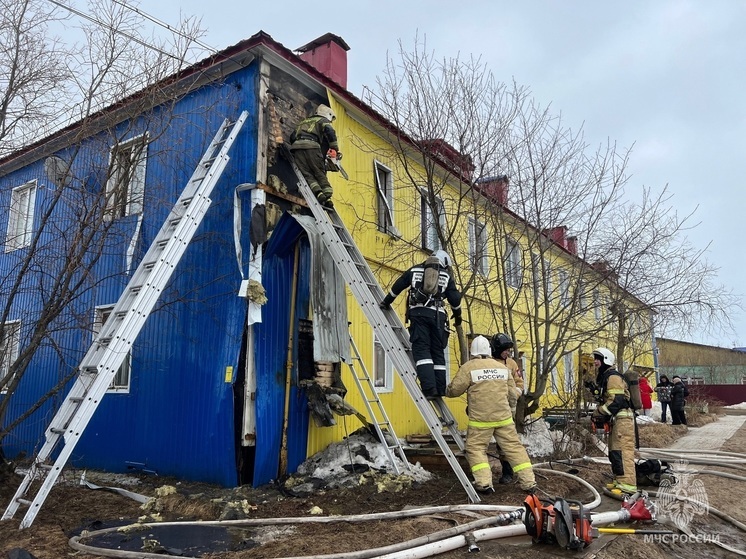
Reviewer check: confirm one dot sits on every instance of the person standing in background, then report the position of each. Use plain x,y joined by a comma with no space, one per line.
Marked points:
646,392
664,395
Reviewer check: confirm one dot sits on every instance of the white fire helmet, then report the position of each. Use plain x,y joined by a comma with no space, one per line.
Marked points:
480,347
326,112
443,258
605,356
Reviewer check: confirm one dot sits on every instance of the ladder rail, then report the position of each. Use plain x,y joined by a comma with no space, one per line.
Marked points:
386,324
381,410
114,341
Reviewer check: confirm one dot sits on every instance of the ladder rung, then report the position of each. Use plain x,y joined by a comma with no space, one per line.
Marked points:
89,382
25,502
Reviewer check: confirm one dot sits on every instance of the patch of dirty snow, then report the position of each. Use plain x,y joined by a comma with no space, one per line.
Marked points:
541,442
358,452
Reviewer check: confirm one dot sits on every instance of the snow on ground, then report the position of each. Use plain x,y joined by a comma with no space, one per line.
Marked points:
541,442
741,406
333,463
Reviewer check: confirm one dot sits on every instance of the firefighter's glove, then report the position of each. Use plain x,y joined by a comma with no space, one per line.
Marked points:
332,153
457,320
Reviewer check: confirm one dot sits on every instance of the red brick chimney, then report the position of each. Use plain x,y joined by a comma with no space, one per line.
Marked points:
572,245
495,188
558,235
328,54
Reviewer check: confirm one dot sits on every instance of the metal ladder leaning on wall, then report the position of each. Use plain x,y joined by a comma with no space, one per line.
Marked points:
380,420
106,354
389,330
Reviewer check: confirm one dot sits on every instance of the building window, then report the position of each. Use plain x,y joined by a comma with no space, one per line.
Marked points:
513,271
384,198
564,287
478,247
548,280
383,369
431,223
21,216
10,335
126,185
569,374
121,381
553,373
597,310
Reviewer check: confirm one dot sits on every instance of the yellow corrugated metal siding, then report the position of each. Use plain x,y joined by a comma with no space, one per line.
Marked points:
356,203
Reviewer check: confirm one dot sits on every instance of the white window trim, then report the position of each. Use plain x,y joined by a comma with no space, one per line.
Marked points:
136,185
597,311
569,366
478,243
429,225
11,349
21,218
385,200
513,263
98,322
564,287
388,372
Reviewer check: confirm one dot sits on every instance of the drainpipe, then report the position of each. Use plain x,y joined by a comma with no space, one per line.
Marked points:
282,470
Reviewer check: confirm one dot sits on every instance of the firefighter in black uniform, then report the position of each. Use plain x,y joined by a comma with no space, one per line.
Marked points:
428,322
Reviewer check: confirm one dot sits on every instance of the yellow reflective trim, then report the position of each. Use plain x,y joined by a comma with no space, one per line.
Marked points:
491,424
624,487
615,391
625,413
522,466
480,466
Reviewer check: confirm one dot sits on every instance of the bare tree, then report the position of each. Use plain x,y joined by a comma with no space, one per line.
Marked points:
646,253
539,206
50,84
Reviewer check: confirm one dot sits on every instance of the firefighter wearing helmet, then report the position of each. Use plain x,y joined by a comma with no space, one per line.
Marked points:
312,138
430,285
502,348
491,400
616,408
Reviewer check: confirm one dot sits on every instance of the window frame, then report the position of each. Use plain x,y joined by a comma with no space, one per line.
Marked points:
130,202
564,287
513,263
478,257
569,367
428,225
101,315
21,218
9,345
388,368
384,199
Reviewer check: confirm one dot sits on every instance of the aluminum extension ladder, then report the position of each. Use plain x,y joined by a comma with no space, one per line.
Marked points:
388,328
106,354
380,420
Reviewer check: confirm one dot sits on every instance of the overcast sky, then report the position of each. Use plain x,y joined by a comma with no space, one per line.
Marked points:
664,76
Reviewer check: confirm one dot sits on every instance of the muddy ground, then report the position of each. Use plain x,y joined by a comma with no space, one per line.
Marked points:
71,508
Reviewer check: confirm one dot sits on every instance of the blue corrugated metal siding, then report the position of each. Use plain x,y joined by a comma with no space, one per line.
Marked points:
271,353
178,417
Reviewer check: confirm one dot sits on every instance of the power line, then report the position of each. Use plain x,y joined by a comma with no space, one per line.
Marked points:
166,26
116,30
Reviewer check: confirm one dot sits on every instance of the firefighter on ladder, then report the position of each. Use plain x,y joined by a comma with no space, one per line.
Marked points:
616,408
311,140
428,323
491,401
